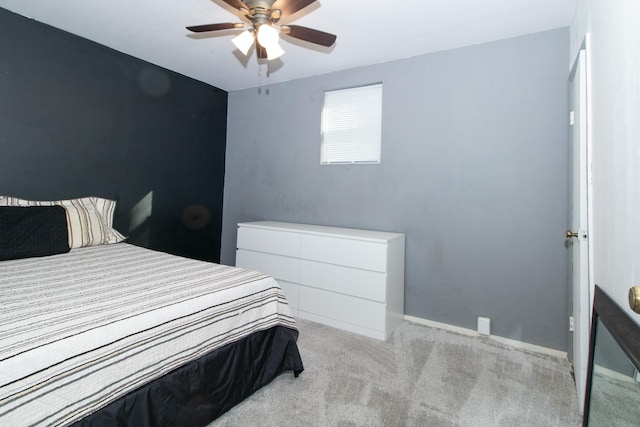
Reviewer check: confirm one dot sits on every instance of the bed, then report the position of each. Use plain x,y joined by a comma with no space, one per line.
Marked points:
114,334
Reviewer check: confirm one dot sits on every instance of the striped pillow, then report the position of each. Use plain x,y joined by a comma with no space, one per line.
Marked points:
90,223
106,208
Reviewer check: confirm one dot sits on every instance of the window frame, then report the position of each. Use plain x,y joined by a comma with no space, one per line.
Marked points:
368,148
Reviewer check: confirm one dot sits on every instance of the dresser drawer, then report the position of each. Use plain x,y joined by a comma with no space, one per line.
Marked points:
351,253
280,267
292,292
271,241
345,280
357,311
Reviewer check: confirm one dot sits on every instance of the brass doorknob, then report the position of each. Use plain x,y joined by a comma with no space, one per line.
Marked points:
571,234
634,298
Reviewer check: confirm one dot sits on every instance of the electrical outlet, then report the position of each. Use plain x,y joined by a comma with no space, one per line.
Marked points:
484,325
570,323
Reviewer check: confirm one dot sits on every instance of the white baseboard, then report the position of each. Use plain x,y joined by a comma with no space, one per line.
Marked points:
470,332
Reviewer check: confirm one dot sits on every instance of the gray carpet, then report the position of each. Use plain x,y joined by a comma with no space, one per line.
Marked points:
420,377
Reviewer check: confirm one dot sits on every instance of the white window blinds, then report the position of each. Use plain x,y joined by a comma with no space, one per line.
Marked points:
351,125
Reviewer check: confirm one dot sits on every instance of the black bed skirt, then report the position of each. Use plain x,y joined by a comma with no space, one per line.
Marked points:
199,392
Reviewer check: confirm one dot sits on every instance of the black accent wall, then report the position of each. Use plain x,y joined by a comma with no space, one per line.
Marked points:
79,119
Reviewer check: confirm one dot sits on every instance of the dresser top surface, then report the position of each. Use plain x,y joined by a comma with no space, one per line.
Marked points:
352,233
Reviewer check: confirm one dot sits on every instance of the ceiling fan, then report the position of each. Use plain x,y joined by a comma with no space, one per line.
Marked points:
264,29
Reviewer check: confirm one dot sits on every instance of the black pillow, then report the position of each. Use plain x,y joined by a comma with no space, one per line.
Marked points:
32,231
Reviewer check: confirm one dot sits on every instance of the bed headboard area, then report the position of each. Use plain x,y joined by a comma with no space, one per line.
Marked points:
78,119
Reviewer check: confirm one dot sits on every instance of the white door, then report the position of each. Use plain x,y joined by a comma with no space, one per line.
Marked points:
578,235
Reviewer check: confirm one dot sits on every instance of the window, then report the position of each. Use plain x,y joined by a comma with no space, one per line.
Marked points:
351,125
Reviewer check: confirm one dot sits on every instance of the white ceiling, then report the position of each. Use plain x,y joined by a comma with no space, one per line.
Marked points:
369,32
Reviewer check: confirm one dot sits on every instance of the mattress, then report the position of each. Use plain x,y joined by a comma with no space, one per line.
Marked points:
80,330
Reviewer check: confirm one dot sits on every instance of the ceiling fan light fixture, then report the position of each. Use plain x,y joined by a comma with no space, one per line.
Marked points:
274,51
260,27
243,41
268,36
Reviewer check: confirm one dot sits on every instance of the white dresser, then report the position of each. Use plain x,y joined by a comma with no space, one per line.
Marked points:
346,278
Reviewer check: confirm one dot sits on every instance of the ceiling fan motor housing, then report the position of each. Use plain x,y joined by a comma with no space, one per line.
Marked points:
259,12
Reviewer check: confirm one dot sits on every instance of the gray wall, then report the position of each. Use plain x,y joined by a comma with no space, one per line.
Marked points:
473,170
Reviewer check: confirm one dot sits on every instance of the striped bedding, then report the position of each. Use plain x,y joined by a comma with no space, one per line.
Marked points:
79,330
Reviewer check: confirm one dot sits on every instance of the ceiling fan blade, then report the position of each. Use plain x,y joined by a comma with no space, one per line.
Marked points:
289,7
236,4
310,35
214,27
261,51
